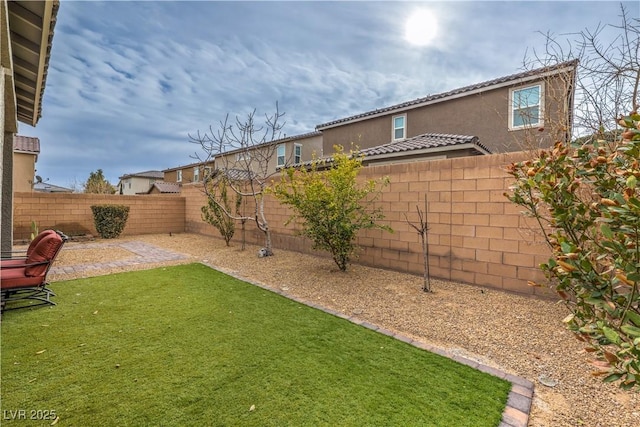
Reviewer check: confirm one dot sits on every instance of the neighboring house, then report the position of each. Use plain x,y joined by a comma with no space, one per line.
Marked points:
193,172
161,187
505,113
281,153
45,187
26,34
25,156
138,183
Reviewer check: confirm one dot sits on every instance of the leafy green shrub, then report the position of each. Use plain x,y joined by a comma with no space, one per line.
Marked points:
218,205
331,205
586,199
110,219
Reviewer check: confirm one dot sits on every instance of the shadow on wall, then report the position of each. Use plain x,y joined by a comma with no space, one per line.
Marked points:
71,229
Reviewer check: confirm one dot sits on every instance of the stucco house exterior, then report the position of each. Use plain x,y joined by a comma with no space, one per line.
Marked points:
139,182
502,113
26,34
281,152
25,156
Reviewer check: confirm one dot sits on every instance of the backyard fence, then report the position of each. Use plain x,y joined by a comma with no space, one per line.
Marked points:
475,234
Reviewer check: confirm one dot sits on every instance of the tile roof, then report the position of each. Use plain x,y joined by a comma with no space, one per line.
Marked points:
423,142
430,98
145,174
50,188
26,144
165,187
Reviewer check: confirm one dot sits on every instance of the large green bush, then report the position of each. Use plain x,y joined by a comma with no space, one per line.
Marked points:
586,199
110,219
331,206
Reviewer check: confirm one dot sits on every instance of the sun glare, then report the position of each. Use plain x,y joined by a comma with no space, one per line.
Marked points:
421,28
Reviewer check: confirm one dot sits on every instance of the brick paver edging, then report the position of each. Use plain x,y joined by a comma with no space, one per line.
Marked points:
518,408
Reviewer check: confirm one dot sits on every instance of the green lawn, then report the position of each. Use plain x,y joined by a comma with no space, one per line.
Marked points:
188,345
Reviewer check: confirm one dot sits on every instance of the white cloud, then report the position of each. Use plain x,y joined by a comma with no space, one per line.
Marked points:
128,80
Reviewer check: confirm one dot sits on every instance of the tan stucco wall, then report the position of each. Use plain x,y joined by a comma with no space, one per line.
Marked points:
485,115
24,166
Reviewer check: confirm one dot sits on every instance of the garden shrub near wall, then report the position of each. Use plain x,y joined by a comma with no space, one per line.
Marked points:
110,219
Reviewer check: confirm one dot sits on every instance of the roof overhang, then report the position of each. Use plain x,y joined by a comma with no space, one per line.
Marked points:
428,151
509,81
31,25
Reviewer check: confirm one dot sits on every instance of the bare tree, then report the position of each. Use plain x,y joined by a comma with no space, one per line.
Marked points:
422,228
243,152
608,75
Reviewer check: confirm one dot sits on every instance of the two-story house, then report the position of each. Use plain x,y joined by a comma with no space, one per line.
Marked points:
509,113
271,155
139,182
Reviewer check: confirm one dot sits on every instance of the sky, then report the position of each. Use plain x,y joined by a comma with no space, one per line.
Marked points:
129,81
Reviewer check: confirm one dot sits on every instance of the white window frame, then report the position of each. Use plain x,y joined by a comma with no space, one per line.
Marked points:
207,172
297,154
394,128
179,175
196,174
281,158
540,105
243,156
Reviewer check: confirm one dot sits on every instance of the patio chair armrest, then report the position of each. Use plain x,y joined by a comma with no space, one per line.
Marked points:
24,265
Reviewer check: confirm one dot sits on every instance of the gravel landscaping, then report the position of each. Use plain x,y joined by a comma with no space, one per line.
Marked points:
518,334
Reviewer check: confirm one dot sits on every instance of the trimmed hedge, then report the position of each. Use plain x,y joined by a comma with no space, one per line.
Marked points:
110,219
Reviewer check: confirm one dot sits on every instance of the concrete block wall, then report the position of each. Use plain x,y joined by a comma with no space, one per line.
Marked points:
71,213
476,235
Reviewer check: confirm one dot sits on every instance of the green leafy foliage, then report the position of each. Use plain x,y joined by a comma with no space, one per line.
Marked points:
586,199
110,219
98,184
218,203
330,205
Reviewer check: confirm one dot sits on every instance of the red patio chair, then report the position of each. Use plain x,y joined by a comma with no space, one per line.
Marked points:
25,278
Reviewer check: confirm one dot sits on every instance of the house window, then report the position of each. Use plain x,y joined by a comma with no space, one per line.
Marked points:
525,107
196,174
207,172
399,127
243,156
297,154
281,151
179,177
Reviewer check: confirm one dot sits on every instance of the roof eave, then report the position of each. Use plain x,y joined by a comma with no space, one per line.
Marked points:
29,102
390,110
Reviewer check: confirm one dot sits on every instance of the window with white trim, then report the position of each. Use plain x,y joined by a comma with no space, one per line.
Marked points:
525,107
297,153
399,127
179,175
281,155
207,172
196,174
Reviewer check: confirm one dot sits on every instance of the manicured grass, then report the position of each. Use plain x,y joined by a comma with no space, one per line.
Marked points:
188,345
